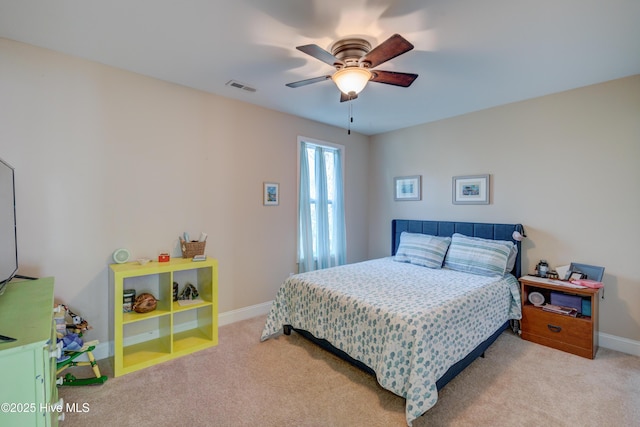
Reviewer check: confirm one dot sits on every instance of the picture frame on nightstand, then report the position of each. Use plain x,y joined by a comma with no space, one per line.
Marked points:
576,275
592,272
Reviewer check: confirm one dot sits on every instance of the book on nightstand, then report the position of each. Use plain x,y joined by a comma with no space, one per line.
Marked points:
567,311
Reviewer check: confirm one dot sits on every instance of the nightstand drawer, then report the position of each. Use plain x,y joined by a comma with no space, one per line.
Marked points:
556,327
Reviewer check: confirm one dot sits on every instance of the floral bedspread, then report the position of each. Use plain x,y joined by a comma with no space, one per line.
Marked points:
409,323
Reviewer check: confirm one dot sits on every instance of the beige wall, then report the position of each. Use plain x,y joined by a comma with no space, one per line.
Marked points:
107,159
564,165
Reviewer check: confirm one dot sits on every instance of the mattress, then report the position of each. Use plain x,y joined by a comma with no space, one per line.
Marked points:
408,323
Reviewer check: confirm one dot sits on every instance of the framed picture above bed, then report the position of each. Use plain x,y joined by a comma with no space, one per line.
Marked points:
407,187
471,190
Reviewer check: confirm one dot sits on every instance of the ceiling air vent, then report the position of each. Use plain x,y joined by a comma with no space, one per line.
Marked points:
239,85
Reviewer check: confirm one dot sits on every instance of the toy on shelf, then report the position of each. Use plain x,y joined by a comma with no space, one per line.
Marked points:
72,346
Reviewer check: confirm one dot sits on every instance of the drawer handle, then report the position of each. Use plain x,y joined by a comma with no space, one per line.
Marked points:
554,328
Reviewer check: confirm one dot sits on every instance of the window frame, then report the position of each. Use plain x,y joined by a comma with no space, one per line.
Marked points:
314,141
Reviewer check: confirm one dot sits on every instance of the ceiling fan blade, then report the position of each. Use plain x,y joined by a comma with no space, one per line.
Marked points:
344,97
319,53
388,49
308,81
393,78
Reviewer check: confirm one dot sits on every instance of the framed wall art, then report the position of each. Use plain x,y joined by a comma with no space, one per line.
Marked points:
407,187
271,194
471,190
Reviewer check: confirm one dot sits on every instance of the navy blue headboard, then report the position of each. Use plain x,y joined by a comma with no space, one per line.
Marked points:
447,228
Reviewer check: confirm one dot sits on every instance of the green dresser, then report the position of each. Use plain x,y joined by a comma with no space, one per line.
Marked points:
28,395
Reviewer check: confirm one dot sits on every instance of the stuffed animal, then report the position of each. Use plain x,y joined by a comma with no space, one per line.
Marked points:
78,324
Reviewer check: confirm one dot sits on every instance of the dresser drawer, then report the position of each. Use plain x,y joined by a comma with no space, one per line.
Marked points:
556,327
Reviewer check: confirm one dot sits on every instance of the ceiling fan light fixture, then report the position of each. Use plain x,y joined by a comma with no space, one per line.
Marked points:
351,79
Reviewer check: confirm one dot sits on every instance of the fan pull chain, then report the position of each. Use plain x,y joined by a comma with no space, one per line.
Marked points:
350,117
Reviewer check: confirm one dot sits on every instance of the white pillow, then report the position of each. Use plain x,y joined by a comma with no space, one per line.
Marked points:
511,261
422,249
478,256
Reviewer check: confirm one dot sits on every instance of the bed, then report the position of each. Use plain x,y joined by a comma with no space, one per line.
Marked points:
414,319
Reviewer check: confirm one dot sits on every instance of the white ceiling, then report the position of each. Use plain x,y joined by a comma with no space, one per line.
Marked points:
469,54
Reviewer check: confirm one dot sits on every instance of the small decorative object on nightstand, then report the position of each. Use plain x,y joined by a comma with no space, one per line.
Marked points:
575,333
542,268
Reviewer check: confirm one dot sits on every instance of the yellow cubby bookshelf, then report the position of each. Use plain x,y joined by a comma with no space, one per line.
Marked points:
172,329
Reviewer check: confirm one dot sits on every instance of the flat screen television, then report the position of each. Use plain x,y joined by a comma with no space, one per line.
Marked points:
8,236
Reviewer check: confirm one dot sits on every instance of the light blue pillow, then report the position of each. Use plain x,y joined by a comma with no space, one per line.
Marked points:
478,256
422,249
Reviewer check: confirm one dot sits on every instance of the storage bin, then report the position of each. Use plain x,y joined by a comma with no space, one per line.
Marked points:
586,307
191,249
573,301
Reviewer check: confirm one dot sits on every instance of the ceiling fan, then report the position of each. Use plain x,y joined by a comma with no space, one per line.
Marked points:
355,61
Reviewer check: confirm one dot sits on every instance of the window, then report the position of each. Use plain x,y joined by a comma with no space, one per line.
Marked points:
321,228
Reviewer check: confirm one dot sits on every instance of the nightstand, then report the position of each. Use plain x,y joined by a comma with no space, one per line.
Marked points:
576,335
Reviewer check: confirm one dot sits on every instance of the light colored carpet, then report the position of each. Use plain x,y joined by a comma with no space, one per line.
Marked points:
287,381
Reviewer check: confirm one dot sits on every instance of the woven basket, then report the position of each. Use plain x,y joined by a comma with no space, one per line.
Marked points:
191,249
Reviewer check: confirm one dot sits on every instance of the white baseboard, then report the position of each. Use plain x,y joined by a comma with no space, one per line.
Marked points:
105,349
245,313
623,345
